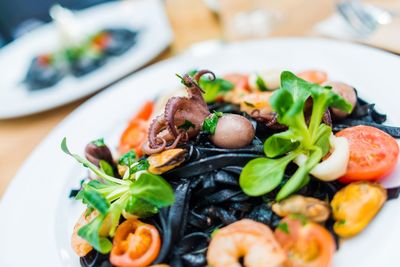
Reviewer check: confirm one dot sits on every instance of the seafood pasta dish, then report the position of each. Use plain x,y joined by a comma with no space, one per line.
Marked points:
264,169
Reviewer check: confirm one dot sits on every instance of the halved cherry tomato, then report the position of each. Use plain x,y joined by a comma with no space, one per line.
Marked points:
239,80
136,244
306,243
373,153
134,137
135,134
313,76
145,112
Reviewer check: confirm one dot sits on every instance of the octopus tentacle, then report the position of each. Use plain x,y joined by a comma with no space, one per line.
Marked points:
149,150
177,110
201,73
175,143
171,108
156,126
192,86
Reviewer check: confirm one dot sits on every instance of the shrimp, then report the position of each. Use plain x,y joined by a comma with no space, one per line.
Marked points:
80,245
247,239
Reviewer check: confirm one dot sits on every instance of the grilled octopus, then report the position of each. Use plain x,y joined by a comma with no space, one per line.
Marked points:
182,118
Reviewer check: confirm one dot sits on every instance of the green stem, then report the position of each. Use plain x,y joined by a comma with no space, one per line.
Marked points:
300,178
303,130
115,194
116,210
318,110
98,172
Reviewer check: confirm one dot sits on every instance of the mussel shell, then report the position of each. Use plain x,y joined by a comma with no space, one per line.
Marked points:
166,160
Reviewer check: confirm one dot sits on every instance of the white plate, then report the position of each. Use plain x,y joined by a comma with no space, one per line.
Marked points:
155,35
37,217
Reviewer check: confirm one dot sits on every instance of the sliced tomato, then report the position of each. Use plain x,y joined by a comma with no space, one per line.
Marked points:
313,76
134,137
373,153
239,80
136,244
145,112
307,244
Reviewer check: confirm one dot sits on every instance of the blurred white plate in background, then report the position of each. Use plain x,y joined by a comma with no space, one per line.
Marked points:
147,16
37,218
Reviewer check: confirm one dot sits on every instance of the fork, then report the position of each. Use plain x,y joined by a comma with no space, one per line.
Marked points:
363,18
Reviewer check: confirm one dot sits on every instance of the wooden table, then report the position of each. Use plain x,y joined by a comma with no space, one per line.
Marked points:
191,22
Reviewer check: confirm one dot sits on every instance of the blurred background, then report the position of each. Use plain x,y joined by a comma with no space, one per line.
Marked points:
196,25
18,17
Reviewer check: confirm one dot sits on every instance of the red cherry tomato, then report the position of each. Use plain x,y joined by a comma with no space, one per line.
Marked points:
136,244
307,244
373,153
135,135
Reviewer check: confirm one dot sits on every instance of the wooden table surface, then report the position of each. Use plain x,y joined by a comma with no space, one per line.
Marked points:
192,22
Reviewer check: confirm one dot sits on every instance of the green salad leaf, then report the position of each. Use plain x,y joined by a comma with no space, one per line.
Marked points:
140,207
106,167
214,89
96,200
153,189
210,123
128,158
90,232
141,165
263,175
110,196
281,143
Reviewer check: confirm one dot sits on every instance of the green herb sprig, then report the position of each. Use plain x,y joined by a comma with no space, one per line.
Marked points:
111,196
210,123
262,175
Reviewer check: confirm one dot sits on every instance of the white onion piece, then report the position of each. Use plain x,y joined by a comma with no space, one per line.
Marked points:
333,167
271,78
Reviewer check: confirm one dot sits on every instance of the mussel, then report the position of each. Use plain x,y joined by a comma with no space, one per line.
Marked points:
312,208
166,160
355,205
